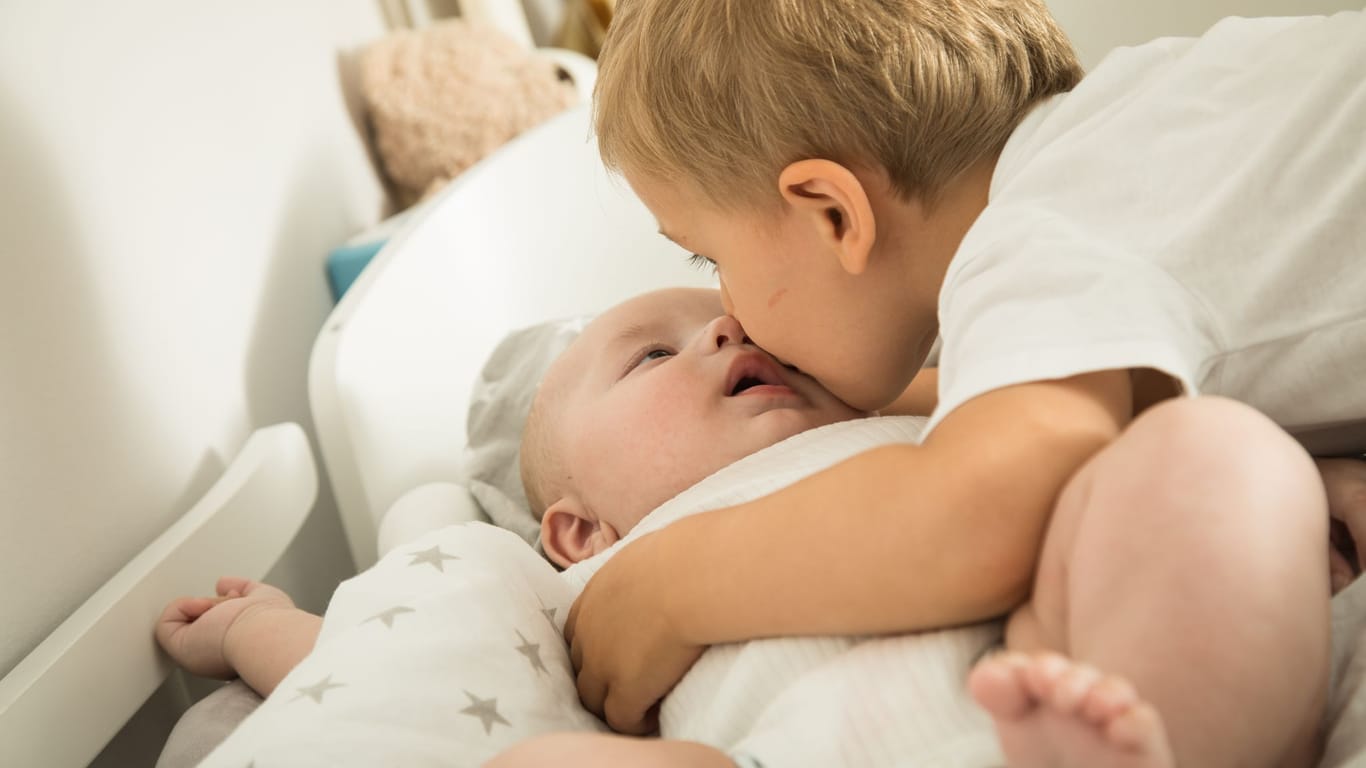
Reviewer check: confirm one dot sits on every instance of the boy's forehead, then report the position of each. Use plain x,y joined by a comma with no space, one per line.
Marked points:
666,199
678,239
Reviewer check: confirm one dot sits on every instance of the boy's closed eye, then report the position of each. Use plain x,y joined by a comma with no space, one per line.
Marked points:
702,262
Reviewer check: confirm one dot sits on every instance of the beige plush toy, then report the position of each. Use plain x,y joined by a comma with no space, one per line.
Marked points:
443,97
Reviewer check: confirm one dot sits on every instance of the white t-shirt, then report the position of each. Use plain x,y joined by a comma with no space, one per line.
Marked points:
1196,206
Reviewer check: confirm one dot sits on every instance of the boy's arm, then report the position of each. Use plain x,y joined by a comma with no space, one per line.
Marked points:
250,630
920,397
897,539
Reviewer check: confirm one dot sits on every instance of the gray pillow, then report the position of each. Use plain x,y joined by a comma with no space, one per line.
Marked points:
499,404
206,724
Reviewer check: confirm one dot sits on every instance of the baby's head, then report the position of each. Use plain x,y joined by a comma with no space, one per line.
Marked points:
656,394
827,157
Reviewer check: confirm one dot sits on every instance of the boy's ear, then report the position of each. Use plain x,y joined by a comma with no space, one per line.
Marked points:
570,533
835,203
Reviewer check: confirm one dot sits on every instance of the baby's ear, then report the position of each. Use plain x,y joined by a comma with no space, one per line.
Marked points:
568,532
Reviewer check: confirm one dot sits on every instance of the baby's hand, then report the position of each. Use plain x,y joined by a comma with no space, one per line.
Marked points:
194,630
1345,482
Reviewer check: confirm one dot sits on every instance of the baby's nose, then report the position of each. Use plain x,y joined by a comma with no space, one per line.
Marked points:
726,330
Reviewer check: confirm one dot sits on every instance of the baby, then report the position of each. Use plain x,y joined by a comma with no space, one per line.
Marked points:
613,434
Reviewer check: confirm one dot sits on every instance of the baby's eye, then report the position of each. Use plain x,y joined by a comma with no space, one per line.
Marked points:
701,262
655,353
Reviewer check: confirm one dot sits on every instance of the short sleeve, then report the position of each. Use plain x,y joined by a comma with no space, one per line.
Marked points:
1032,297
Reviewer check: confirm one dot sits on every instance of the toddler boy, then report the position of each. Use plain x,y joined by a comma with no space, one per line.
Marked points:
1184,221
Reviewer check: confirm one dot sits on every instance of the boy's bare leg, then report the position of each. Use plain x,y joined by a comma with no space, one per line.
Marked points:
1184,583
602,750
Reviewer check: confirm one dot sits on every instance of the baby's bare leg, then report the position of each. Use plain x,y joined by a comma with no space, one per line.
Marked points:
602,750
1186,559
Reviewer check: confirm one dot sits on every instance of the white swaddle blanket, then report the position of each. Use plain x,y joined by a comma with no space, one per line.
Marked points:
449,651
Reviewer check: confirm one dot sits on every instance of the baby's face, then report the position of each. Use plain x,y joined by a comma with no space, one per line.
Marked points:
664,390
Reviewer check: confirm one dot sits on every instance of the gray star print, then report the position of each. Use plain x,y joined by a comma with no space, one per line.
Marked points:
388,616
316,690
532,652
433,557
549,614
486,710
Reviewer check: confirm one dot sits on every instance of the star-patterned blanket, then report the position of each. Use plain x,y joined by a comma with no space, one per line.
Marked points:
444,653
449,650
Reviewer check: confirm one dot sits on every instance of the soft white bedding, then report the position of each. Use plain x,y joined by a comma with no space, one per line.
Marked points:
449,651
1346,715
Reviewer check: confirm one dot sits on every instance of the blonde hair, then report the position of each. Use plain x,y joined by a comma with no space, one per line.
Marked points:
727,93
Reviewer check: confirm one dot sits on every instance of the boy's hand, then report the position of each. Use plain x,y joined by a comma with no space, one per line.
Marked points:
626,651
194,630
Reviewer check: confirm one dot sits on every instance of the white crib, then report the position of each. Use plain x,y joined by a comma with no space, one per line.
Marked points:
390,379
537,231
68,697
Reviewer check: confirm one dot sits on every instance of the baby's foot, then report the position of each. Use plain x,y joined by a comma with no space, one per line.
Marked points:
1052,712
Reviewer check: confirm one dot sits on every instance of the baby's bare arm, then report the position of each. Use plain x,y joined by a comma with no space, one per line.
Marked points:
265,645
249,630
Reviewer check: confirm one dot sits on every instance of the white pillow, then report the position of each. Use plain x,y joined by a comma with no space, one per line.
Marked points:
489,480
424,509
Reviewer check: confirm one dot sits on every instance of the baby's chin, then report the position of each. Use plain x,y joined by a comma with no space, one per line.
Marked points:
782,423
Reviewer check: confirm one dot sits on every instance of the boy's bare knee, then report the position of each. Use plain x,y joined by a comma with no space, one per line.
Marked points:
1208,420
1222,440
1223,458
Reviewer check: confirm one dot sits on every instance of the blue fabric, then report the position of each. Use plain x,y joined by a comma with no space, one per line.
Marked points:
345,264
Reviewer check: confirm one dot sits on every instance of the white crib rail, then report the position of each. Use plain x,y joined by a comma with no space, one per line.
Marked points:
68,697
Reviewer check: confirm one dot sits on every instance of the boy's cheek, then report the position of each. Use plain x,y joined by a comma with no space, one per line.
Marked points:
867,393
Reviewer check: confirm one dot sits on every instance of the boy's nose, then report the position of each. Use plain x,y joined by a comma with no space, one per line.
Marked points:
722,331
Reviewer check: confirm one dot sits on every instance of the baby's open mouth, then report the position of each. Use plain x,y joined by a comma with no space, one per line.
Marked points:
752,370
747,382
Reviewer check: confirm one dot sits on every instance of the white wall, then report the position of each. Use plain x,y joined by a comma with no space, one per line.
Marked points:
171,177
1096,26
